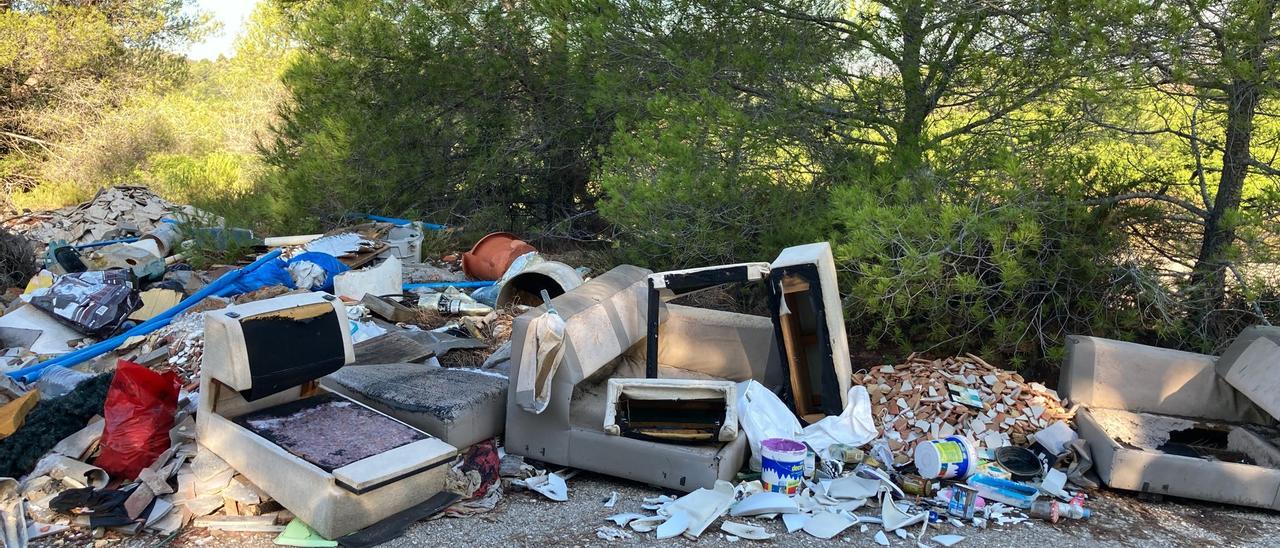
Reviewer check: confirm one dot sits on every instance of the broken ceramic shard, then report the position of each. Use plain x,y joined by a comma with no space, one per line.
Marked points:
676,525
794,522
881,539
550,485
947,540
893,517
625,518
612,500
826,525
764,503
853,487
742,530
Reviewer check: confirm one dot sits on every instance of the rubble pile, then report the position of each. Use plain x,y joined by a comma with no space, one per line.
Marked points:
923,399
113,212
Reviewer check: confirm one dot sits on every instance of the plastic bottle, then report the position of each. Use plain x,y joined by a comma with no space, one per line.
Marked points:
1052,511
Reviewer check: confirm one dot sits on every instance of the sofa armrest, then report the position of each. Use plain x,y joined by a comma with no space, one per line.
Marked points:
1112,374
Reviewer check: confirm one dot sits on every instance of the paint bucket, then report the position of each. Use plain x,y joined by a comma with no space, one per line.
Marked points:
782,465
947,458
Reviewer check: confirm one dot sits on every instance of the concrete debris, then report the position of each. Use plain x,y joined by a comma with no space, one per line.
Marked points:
112,213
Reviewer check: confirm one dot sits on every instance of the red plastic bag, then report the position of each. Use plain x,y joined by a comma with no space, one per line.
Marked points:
139,414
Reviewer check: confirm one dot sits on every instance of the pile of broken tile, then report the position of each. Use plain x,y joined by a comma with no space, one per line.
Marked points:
114,212
924,399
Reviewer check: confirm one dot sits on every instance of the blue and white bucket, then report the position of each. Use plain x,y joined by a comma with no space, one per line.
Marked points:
782,465
947,458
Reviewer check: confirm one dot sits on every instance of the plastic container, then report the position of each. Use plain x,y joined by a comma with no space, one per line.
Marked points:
406,243
1009,492
947,458
1051,511
782,465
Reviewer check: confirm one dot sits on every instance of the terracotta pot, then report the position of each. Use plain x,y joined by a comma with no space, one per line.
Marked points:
490,258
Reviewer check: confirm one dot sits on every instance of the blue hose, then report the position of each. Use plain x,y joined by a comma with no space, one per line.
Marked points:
442,285
403,222
29,374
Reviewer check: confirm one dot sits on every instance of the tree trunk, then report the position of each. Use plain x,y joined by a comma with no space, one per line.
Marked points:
908,148
1209,275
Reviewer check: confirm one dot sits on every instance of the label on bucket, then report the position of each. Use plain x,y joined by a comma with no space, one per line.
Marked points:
950,452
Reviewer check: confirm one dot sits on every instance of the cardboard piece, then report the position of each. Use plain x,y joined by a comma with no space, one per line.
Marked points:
266,354
1138,399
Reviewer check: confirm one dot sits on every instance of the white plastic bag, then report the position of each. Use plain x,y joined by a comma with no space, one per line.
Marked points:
854,426
762,416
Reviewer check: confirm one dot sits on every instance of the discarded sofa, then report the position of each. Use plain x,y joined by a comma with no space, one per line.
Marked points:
1179,423
603,337
337,465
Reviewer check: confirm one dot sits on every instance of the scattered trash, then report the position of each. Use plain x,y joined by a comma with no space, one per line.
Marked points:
612,501
492,255
947,540
612,533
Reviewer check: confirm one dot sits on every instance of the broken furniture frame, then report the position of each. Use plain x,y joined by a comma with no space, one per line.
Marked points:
268,354
804,303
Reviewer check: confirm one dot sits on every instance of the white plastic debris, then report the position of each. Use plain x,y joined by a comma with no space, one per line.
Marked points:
765,503
881,539
794,522
612,501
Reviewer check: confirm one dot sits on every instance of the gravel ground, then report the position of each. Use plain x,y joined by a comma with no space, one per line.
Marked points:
527,519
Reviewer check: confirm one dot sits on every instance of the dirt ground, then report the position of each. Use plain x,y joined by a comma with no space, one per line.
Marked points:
526,519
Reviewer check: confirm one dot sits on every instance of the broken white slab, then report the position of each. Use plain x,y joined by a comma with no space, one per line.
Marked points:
853,487
794,522
612,501
826,525
676,525
1054,483
702,507
742,530
550,485
54,336
881,539
893,518
384,279
625,518
764,503
947,540
902,534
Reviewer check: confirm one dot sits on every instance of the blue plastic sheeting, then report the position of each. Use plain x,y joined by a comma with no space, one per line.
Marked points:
403,222
442,285
222,286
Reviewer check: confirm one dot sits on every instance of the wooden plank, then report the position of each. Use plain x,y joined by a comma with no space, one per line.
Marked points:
796,367
388,309
391,347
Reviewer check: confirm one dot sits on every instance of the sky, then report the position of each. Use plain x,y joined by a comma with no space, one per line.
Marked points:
232,14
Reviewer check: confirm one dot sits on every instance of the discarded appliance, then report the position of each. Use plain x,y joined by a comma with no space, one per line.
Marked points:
380,281
681,410
1179,423
334,463
605,324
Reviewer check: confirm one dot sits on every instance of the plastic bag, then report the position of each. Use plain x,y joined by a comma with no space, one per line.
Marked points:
328,264
95,303
139,414
854,426
762,416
